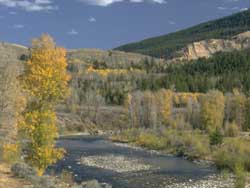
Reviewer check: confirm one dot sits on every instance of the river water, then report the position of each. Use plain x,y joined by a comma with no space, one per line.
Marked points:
167,169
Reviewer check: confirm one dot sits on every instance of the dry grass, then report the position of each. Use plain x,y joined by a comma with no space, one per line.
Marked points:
8,180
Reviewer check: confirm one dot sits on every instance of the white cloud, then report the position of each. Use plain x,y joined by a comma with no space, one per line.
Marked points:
92,19
235,8
232,1
73,32
244,9
100,2
159,1
18,26
105,3
29,5
172,22
222,8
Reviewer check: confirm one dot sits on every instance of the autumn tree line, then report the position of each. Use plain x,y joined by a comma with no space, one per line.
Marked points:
209,112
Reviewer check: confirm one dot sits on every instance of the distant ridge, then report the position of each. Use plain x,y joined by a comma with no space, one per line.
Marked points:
167,46
15,51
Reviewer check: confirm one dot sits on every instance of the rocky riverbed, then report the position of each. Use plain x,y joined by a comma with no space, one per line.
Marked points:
213,181
115,163
124,166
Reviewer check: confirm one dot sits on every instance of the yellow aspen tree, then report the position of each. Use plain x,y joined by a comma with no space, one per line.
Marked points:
45,81
212,111
164,100
238,102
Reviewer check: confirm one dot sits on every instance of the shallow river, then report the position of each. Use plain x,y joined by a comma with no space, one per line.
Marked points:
166,169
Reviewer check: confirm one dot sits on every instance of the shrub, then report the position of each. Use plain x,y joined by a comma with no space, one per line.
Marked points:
232,129
151,141
196,144
180,123
190,143
11,153
22,170
234,152
128,136
67,177
240,177
216,138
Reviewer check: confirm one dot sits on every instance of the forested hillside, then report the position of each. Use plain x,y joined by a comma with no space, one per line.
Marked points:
166,46
223,71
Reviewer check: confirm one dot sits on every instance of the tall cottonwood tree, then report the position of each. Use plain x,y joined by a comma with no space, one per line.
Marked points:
164,100
212,111
237,112
46,82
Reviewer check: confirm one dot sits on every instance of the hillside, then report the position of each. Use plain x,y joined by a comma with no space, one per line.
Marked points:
11,51
112,58
167,46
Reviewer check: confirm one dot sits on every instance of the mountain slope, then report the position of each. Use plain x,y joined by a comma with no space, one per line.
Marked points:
111,58
167,46
10,51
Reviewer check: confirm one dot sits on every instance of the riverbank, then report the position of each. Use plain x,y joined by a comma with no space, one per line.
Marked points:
166,153
224,153
214,181
219,180
192,146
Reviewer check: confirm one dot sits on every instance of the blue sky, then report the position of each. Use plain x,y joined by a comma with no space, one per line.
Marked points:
105,24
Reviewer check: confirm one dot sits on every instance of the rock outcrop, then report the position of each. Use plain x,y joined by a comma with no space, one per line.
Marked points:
207,48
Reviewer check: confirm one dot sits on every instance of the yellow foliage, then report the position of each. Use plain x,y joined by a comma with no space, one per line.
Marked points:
164,99
105,72
45,79
212,110
183,98
128,101
45,76
10,153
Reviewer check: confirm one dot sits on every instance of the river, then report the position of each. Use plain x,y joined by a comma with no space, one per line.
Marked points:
164,169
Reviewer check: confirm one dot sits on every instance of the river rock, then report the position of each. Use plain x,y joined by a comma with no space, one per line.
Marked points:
94,184
213,181
23,170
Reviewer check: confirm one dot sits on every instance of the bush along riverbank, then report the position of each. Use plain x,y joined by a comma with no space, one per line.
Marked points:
64,180
230,154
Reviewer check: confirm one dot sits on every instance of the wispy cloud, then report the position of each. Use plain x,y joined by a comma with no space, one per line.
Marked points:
29,5
73,32
222,8
92,19
12,13
235,8
18,26
105,3
172,22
